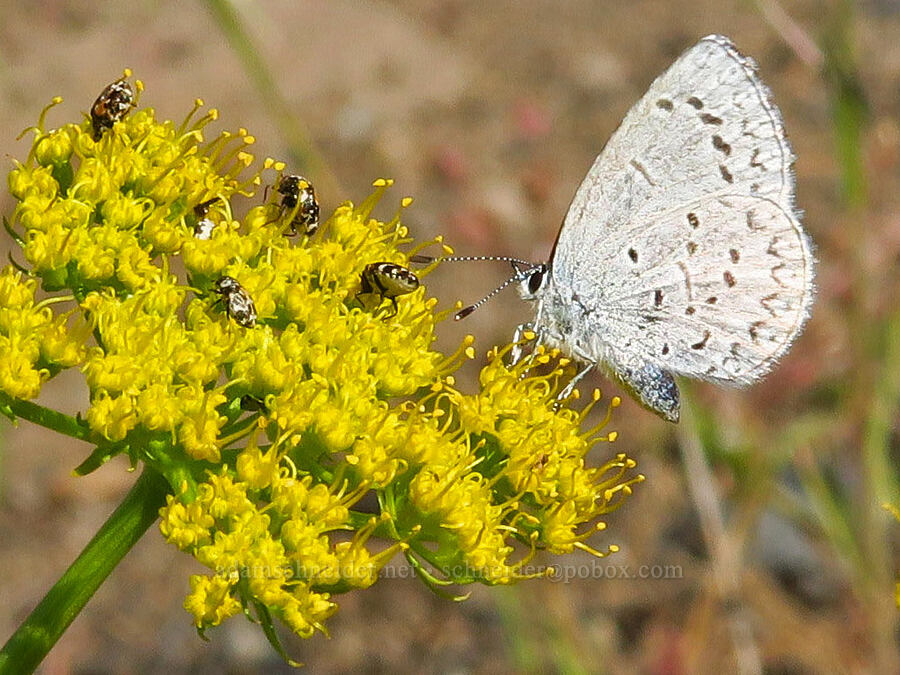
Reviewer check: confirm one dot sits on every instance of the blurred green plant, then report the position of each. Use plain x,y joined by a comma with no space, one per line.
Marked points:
852,517
895,511
861,404
263,416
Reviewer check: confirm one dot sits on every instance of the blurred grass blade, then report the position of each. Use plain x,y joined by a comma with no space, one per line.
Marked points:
848,103
831,513
882,415
296,136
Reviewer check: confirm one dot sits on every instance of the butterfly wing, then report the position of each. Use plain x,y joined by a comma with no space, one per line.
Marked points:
683,242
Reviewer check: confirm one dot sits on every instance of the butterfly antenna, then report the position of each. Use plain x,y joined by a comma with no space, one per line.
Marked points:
465,311
425,259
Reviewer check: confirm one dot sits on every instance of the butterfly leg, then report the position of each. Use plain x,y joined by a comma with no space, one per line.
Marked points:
652,387
522,328
570,387
518,338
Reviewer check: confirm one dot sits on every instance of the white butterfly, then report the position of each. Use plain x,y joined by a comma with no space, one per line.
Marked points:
682,252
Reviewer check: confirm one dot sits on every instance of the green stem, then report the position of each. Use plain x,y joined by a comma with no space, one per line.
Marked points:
49,620
47,417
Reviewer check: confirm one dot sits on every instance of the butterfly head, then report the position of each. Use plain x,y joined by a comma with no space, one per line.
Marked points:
533,281
532,278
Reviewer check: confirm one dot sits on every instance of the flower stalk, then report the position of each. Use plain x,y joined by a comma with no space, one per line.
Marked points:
48,621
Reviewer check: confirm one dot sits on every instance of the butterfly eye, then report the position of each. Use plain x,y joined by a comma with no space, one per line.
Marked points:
536,279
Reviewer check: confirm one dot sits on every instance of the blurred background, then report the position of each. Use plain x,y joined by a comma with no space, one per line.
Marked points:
760,522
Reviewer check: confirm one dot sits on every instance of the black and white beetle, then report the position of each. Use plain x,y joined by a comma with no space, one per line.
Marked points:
299,196
204,226
388,280
238,303
111,106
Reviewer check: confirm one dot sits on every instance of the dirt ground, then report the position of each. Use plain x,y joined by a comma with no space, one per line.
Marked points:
489,113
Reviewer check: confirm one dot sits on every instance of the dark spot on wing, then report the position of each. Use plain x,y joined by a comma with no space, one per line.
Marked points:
711,119
690,310
729,279
754,162
775,271
696,102
726,174
767,301
754,330
633,255
735,255
751,221
702,343
721,145
711,300
693,220
665,349
665,104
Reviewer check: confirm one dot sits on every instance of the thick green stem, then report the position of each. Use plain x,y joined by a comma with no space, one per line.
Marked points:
40,631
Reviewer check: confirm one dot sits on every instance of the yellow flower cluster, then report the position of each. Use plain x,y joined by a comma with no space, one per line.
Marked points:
35,343
265,534
273,427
